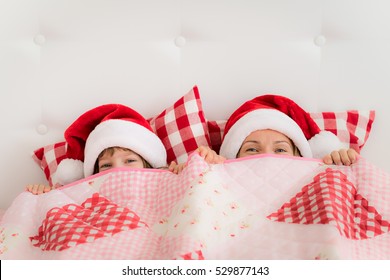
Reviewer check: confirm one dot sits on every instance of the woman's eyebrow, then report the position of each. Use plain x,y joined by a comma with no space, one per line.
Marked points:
283,141
251,141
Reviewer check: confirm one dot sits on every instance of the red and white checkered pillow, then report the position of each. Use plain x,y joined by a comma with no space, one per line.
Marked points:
48,158
352,127
181,127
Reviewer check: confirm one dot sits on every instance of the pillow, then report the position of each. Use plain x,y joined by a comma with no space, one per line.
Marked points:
48,158
352,127
181,127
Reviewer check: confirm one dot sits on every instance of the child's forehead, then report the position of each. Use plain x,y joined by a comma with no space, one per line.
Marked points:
122,149
115,150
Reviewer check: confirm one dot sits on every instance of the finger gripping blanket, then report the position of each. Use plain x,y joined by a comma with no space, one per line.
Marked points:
261,207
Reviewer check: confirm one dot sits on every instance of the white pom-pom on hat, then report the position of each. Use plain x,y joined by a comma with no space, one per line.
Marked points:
324,143
69,170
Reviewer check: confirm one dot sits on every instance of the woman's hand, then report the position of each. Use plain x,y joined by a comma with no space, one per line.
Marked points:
341,157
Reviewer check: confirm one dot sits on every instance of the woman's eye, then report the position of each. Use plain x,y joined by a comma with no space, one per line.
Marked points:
280,151
130,160
251,150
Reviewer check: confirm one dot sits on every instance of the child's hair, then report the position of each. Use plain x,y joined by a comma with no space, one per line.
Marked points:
111,151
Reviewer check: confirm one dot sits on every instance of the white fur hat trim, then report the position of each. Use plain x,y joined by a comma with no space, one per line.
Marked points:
263,119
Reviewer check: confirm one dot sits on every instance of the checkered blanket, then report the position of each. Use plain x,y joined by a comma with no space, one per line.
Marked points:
262,207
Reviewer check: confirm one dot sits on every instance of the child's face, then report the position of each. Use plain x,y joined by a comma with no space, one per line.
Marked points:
120,158
266,141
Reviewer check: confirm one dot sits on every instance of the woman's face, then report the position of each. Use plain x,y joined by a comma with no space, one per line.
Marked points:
119,158
266,141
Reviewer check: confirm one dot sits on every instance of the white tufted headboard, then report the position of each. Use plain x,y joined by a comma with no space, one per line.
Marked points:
60,58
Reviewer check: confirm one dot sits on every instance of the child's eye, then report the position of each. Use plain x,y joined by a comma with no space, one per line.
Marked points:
279,151
105,165
130,160
251,150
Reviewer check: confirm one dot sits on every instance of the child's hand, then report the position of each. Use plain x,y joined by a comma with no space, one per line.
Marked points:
209,155
38,188
341,157
176,168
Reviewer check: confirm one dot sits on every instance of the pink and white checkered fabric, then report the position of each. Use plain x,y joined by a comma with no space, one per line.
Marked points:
332,199
303,209
74,224
119,218
148,192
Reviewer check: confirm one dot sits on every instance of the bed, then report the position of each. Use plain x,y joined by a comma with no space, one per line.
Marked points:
186,65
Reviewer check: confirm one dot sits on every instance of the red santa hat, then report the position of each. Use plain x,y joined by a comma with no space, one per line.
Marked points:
107,126
280,114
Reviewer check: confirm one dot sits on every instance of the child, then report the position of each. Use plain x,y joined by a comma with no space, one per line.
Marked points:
113,157
107,136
